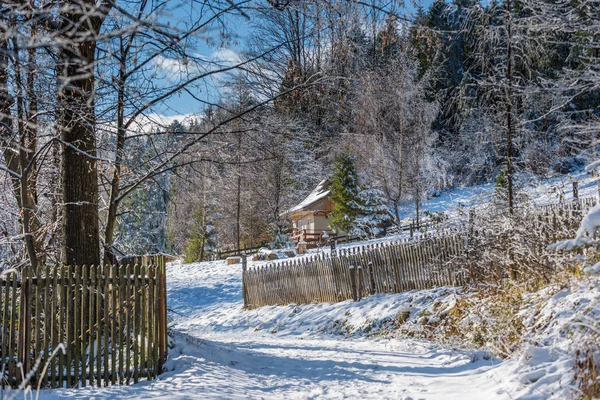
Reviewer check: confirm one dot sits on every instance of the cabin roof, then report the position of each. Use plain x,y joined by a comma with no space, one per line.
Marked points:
310,202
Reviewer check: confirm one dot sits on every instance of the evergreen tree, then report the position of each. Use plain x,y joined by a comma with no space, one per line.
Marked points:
278,233
373,214
203,237
344,194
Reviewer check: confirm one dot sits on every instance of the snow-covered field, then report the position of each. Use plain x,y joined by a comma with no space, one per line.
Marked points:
342,350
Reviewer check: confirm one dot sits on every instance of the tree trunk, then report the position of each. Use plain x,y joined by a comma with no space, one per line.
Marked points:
80,226
11,157
113,203
509,132
204,212
19,161
239,193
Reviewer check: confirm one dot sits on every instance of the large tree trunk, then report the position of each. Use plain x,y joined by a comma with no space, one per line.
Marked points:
80,226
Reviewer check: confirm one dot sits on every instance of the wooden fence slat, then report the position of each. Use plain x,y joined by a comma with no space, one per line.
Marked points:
377,269
430,265
136,324
92,293
98,324
62,307
406,268
78,355
23,325
53,326
163,311
37,329
122,314
68,302
154,312
84,324
113,322
12,332
347,277
128,323
4,292
106,324
396,265
143,317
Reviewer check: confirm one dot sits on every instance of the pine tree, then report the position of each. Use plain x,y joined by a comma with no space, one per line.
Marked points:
344,194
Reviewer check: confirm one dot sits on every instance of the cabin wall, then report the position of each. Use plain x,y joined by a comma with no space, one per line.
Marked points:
320,223
304,223
312,223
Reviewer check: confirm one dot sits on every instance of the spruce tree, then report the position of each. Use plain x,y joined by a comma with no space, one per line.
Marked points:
344,194
373,214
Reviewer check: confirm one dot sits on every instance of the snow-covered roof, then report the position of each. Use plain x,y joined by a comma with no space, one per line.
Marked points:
319,193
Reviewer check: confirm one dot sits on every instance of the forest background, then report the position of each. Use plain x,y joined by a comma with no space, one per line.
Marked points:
413,98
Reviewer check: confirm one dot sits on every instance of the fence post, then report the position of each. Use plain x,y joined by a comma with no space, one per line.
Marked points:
244,271
575,190
162,315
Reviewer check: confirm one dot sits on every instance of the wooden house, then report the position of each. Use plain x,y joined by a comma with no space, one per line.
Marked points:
310,216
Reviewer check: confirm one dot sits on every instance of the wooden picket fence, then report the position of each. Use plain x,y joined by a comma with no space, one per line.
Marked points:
451,257
377,268
70,326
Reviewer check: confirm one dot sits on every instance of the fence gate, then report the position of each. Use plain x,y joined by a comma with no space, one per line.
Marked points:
70,326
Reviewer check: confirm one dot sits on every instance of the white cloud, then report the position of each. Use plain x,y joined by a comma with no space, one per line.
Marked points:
200,64
226,56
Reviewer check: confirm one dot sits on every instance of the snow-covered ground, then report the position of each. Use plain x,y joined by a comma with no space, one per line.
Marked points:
362,350
342,350
531,189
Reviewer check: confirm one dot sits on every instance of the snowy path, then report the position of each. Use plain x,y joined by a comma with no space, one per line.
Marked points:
232,367
291,368
223,352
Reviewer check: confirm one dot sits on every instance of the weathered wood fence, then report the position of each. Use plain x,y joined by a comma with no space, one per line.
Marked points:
452,257
110,321
378,268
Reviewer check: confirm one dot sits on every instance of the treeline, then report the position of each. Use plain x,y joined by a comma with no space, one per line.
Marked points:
419,99
458,93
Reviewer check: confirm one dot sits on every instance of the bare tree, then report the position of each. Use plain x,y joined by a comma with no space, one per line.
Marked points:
393,132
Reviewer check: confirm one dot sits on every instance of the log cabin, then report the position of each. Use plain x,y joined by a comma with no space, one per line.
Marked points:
310,217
